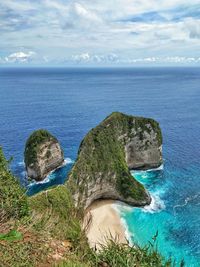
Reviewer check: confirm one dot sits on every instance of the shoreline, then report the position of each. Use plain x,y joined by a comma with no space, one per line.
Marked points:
102,223
46,179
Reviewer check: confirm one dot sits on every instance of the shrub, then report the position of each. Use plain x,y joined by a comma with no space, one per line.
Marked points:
13,199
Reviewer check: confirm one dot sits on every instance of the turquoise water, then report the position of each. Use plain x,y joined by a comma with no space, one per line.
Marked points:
166,218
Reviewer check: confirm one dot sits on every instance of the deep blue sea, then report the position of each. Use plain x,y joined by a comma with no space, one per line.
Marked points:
69,102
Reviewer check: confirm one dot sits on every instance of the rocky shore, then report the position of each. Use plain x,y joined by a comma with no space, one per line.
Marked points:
42,155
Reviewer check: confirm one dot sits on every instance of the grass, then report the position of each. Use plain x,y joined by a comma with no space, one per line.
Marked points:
13,199
12,235
45,230
121,255
57,207
114,254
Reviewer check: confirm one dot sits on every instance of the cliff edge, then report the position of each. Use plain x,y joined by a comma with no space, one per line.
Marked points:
42,154
108,153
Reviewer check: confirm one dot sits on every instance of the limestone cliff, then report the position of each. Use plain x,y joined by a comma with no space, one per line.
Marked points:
106,155
42,154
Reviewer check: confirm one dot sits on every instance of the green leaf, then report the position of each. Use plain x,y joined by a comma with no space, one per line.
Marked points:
12,235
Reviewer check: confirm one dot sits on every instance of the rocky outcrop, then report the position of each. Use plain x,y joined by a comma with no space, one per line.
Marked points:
108,153
42,154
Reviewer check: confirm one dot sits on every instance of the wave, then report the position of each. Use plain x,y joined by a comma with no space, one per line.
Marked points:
143,175
129,235
156,205
46,180
160,168
186,201
51,175
68,161
21,163
120,208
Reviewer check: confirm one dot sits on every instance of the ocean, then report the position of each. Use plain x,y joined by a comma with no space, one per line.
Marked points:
69,102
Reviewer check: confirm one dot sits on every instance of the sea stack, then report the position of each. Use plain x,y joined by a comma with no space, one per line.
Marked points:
108,153
42,154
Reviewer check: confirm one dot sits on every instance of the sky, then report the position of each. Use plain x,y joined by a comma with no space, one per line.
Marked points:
100,32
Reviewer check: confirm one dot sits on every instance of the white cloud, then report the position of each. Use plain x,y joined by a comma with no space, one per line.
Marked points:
79,17
95,58
85,13
166,60
193,27
112,58
85,57
58,29
20,57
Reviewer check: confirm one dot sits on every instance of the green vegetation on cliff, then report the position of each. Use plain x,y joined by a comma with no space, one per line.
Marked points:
44,230
58,207
33,143
12,196
102,158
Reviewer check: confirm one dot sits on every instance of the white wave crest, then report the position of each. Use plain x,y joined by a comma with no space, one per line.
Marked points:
145,174
50,177
68,161
160,168
129,236
120,207
21,163
46,180
156,205
186,201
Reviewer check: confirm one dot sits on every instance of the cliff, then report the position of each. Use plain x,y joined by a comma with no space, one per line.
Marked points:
42,154
45,230
106,155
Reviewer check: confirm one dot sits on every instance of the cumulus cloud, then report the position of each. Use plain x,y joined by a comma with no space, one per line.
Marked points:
20,57
159,60
95,58
132,29
112,58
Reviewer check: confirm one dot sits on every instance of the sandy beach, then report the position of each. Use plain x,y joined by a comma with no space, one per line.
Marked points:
102,222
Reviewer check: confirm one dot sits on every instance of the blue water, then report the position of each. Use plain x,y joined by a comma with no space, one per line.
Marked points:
69,102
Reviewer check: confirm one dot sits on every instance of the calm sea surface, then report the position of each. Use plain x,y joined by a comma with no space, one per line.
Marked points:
69,102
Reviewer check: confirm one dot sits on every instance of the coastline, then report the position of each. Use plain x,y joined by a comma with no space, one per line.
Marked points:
102,222
47,177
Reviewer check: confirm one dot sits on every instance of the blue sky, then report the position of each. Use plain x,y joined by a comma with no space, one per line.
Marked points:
100,32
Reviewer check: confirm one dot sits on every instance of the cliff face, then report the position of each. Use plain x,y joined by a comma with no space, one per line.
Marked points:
107,154
42,154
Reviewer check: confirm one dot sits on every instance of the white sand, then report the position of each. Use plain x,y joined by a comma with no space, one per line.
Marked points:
102,222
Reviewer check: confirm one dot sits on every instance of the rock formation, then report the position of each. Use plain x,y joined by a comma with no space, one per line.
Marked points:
42,154
108,153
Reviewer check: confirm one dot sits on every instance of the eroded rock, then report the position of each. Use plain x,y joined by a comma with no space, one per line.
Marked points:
108,153
42,155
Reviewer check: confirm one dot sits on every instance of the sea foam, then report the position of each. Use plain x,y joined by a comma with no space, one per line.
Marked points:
186,201
68,161
21,163
156,205
160,168
120,208
51,175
